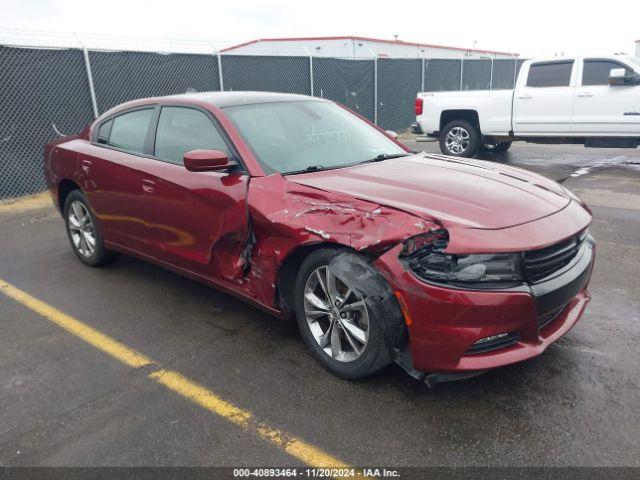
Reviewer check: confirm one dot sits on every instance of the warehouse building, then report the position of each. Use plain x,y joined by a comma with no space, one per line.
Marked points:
357,47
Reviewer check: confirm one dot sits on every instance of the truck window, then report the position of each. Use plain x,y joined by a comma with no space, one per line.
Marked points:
596,72
550,74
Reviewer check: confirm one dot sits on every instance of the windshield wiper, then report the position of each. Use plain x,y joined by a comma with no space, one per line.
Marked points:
310,168
385,156
379,158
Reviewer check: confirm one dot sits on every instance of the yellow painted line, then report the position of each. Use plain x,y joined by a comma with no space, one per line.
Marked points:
75,327
201,396
177,383
208,400
300,449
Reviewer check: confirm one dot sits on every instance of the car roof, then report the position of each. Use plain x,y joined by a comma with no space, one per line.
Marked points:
217,99
230,99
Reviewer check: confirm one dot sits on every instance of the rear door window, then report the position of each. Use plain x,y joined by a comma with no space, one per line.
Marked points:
129,130
550,74
104,131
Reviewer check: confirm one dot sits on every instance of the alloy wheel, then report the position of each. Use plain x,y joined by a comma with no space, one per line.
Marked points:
457,140
81,228
337,316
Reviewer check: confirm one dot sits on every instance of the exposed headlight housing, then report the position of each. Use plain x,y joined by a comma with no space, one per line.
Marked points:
474,271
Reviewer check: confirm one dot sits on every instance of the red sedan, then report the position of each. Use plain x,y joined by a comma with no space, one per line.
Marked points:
307,210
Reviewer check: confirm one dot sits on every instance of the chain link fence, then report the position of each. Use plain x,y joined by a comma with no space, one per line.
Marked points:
399,81
349,82
44,94
269,74
122,76
53,90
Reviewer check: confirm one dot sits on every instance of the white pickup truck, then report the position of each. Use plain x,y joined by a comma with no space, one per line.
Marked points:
593,101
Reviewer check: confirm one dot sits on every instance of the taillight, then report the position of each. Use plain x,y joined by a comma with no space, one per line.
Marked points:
418,106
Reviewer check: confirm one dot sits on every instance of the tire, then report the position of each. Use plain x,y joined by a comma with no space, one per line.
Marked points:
82,229
460,139
498,147
348,363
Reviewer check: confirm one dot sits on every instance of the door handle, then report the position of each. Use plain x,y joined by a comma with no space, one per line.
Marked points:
585,94
149,186
525,96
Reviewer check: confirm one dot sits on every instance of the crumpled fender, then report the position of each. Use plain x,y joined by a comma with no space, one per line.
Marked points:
363,278
284,215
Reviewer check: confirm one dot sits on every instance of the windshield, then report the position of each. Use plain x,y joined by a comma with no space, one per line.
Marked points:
634,60
290,137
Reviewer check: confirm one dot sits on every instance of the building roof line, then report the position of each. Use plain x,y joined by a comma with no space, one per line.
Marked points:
366,39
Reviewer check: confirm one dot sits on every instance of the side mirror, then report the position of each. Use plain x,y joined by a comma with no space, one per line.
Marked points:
205,160
617,76
392,134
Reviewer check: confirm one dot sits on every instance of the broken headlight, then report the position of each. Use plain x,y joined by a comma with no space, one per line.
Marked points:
482,271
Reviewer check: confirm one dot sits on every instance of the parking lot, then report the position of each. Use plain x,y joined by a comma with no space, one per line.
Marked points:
68,400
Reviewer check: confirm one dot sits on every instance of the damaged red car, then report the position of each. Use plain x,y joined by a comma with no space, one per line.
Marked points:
306,210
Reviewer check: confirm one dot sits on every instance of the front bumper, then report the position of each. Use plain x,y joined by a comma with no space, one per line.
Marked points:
445,323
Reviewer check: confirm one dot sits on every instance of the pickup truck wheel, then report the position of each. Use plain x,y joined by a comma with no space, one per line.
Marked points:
460,139
497,147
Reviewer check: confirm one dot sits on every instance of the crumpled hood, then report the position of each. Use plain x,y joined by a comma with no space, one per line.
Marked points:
461,192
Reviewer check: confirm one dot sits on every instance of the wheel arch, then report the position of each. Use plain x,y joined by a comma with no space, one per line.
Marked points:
65,187
286,275
469,115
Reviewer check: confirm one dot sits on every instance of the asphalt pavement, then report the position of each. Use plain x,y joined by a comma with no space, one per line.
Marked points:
65,403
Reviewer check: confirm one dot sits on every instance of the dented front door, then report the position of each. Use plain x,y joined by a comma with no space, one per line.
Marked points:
199,217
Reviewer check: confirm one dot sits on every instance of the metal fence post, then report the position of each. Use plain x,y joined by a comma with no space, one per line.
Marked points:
219,60
461,71
311,73
87,64
220,77
310,68
491,77
422,76
375,90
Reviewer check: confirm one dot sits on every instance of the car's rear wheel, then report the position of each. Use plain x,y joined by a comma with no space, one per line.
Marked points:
83,231
460,139
336,323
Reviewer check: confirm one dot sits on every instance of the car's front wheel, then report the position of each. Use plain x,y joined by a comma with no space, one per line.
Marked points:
460,139
83,231
336,322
